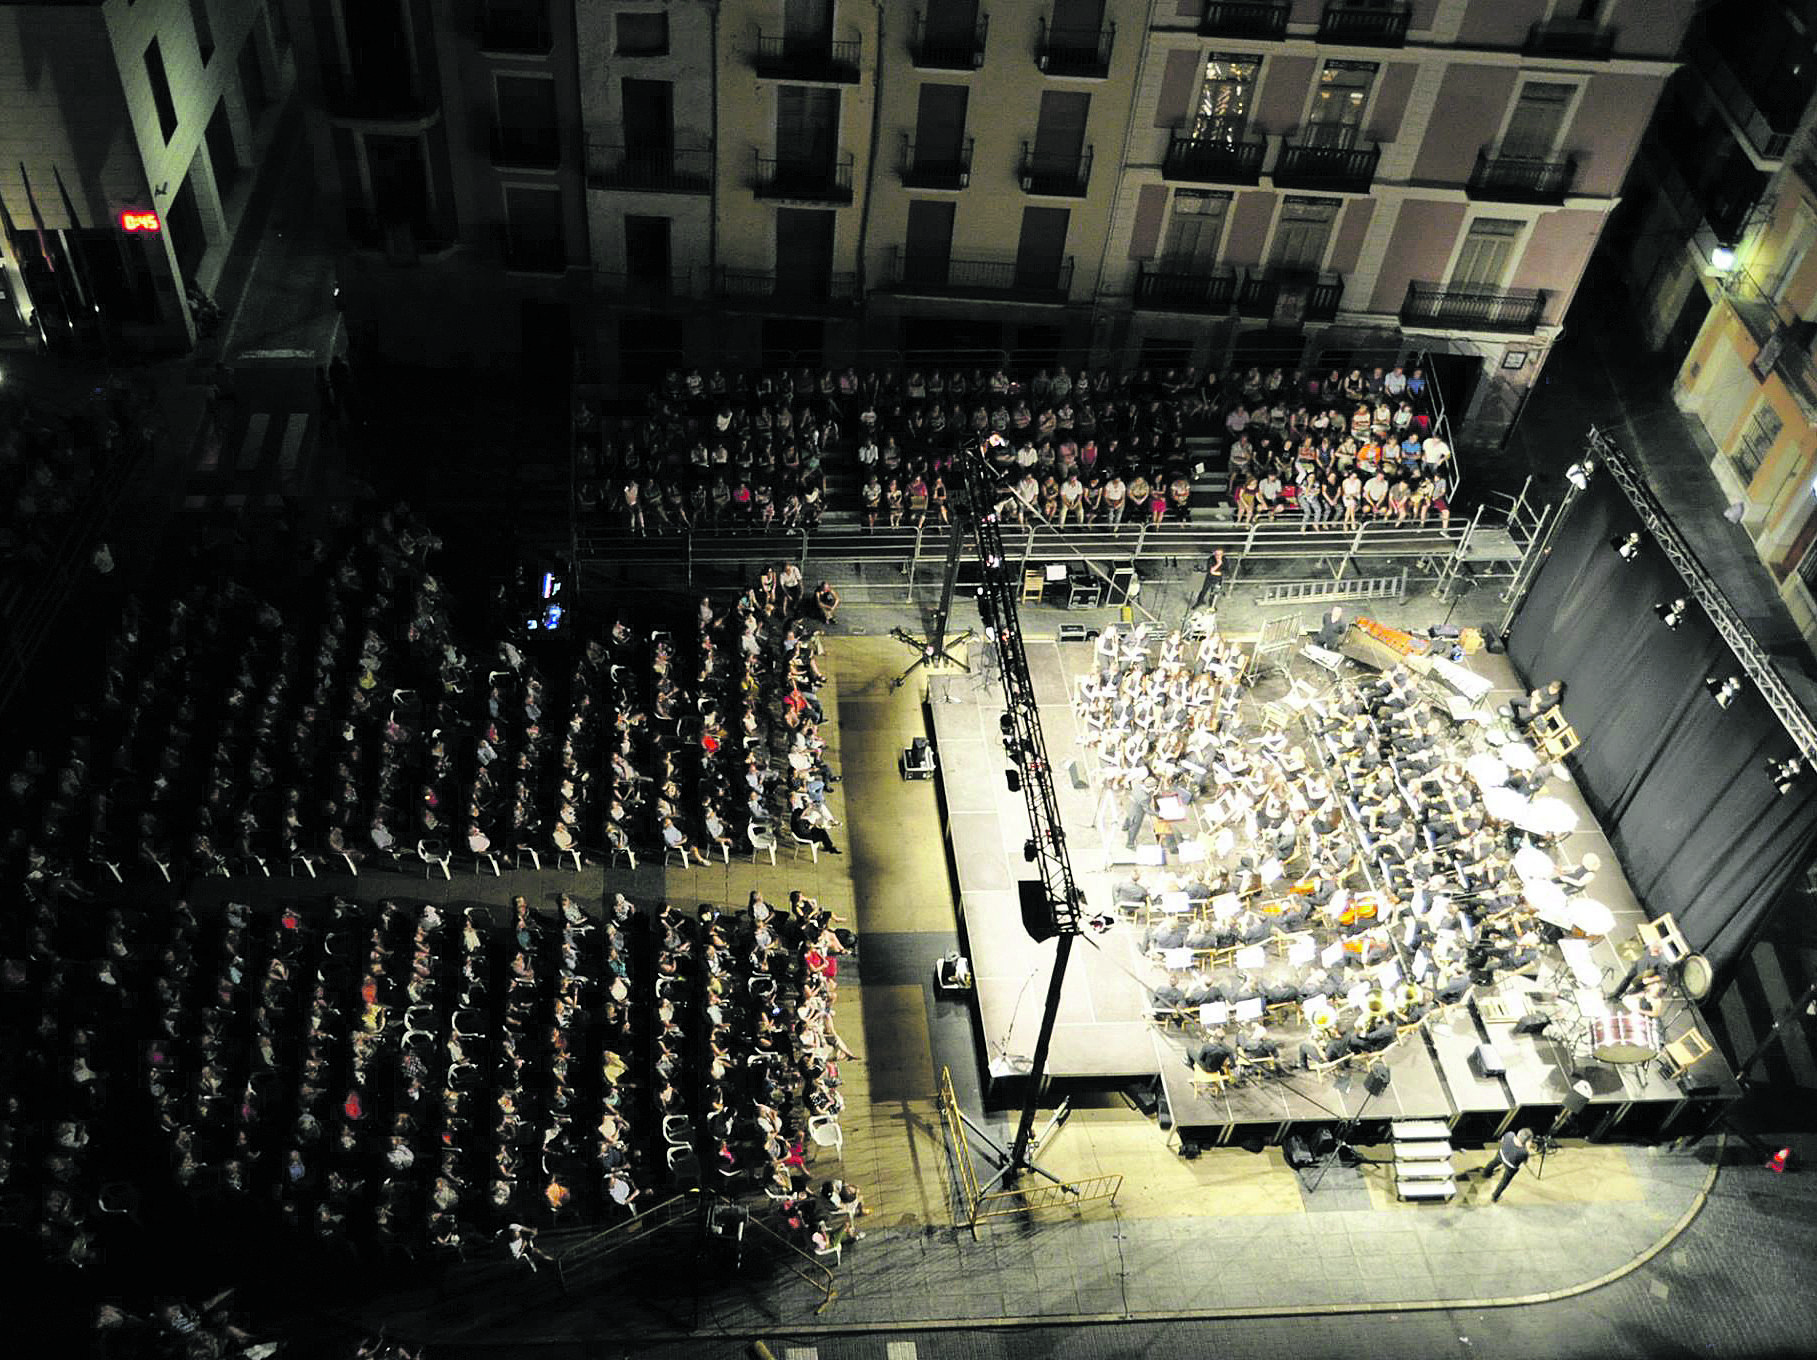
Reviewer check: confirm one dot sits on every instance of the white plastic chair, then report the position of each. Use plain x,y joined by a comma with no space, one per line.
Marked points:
761,840
434,855
813,846
824,1130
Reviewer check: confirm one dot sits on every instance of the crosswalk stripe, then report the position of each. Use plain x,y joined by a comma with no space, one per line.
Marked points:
252,448
295,426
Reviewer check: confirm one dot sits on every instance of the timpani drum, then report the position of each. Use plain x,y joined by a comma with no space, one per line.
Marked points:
1624,1038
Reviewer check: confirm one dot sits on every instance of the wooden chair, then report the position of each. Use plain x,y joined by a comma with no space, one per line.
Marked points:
1034,582
1552,736
1684,1053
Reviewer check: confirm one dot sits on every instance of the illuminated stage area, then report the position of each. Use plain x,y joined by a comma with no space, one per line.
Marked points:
1203,935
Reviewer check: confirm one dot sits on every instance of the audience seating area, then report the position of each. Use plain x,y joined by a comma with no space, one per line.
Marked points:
396,1081
787,450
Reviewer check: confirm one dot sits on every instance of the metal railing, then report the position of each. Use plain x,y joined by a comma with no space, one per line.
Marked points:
1303,166
942,169
1474,309
515,29
528,148
1244,19
1079,52
611,165
768,285
1770,142
1521,179
1044,172
1342,23
1581,38
787,57
532,255
1009,280
1263,295
816,181
1765,320
676,285
1214,160
1171,290
945,53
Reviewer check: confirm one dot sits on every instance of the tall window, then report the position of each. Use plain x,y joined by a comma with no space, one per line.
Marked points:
643,35
1302,234
1538,118
1791,259
1757,440
1338,103
1487,251
1193,230
1225,97
205,38
160,89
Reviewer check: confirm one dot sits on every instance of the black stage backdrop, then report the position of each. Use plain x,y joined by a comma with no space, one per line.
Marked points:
1680,785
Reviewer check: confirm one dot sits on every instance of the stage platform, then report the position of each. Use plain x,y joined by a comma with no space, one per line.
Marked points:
1104,1036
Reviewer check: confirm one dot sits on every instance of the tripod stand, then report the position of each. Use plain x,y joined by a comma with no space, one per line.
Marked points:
935,647
1375,1081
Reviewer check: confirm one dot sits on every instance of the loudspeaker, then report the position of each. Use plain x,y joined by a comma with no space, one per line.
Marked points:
1532,1023
1299,1156
1077,774
1037,911
1494,644
1576,1098
1376,1079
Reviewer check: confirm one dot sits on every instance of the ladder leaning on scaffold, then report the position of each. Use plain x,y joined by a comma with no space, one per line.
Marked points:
981,1202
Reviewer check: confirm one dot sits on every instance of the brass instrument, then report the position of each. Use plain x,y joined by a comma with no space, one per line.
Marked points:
1376,1004
1407,997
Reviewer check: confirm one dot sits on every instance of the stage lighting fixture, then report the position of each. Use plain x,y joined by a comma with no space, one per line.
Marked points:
1627,548
1785,774
1671,614
1578,474
1007,725
1722,259
1723,691
1014,779
993,561
1030,850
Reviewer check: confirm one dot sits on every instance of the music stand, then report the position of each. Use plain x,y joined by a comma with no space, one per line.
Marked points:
1576,1098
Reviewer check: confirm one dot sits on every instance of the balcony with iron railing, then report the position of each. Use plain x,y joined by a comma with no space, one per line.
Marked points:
1244,19
516,30
1055,175
1521,179
822,61
1770,136
1584,39
1214,160
1159,288
532,254
945,167
1507,310
1004,280
517,148
646,289
805,181
375,96
1782,336
670,170
1331,168
943,52
1360,26
791,289
1284,296
1082,53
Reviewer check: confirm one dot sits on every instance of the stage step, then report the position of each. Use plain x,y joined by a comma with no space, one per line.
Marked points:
1422,1160
1432,1190
1423,1152
1412,1129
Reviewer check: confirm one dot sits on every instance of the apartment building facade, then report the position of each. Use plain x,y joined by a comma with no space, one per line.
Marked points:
1342,182
133,135
1750,379
1087,180
1700,187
